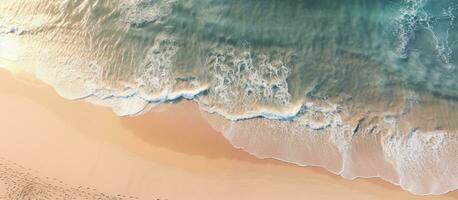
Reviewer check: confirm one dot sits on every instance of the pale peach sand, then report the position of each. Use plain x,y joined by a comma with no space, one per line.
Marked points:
51,147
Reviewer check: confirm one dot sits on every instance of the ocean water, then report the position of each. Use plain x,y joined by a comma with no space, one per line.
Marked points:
361,88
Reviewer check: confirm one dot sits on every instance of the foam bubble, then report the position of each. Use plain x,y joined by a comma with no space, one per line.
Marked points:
244,83
425,161
141,12
413,17
154,76
410,16
420,162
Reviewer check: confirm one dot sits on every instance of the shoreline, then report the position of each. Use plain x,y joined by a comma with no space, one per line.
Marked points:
172,145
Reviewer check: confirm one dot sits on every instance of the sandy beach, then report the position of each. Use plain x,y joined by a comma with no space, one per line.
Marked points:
171,153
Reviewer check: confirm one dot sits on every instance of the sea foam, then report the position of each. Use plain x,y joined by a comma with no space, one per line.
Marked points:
249,92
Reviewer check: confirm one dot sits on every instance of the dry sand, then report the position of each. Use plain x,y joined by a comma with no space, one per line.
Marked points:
173,154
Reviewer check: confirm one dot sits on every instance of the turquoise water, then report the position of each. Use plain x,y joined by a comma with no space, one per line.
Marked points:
336,68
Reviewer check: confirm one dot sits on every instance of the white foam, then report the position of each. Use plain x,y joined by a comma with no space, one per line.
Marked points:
151,84
246,85
420,162
154,74
138,12
444,51
410,14
426,162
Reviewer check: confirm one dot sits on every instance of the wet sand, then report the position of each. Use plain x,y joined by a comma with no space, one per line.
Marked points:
169,154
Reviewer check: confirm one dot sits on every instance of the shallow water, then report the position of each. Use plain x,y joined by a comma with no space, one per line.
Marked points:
335,84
